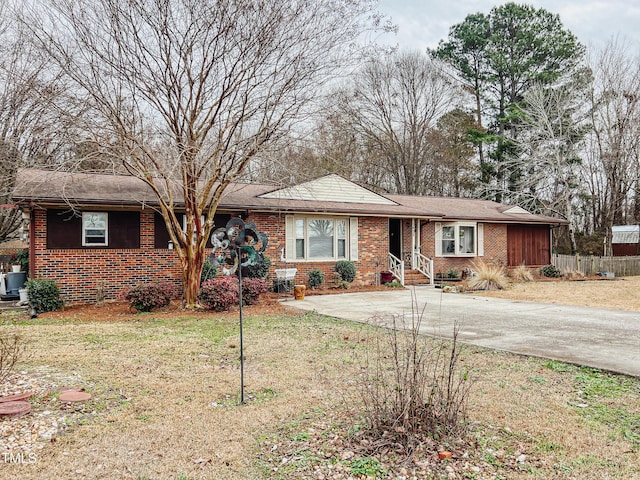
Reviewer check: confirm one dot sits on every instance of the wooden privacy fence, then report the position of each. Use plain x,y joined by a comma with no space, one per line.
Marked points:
590,265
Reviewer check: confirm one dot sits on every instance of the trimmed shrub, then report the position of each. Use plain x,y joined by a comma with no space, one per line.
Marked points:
209,271
147,296
219,293
261,270
252,288
550,271
44,295
316,278
347,270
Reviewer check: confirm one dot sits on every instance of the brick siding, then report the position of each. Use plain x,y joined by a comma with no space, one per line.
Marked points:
84,274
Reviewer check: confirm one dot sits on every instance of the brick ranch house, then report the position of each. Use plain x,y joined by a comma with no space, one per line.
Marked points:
97,235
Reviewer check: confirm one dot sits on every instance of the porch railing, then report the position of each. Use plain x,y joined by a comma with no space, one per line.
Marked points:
396,267
424,265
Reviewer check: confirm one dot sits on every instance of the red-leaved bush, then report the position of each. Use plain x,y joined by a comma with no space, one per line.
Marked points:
147,296
252,288
219,293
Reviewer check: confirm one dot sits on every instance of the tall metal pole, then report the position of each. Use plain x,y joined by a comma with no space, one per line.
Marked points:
241,344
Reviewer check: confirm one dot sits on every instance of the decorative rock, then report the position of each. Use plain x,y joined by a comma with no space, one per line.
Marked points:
15,408
74,396
16,397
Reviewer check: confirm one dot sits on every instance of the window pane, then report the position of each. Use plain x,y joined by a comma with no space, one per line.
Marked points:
321,238
94,226
467,240
448,240
300,228
300,238
342,248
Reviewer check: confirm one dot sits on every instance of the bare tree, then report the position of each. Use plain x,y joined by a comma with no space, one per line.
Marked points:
613,149
393,107
186,92
32,127
554,122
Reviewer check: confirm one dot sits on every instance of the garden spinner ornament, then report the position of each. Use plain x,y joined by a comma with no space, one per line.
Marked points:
236,246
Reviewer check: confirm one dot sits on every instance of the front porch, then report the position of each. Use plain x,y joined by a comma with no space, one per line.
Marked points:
406,262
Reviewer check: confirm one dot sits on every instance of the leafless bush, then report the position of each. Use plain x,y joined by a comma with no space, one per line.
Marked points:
12,347
413,387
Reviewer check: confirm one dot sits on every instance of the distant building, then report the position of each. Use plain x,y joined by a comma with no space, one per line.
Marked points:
625,240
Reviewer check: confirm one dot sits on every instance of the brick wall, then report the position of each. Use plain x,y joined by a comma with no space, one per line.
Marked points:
372,249
495,248
82,274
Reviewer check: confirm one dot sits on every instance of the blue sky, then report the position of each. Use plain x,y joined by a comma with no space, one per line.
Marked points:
422,23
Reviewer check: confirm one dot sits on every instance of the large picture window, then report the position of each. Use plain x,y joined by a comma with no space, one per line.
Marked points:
320,238
457,239
94,229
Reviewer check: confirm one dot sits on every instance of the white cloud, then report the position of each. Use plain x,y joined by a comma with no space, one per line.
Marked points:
423,23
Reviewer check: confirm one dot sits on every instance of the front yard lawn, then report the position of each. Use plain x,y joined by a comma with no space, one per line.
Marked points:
165,405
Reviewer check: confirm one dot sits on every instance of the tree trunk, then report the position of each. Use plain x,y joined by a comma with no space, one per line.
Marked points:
191,271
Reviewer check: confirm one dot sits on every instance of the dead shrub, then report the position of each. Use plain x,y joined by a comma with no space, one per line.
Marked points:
413,388
12,347
572,274
488,276
522,274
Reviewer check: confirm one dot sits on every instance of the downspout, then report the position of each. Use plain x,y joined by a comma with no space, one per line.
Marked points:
413,243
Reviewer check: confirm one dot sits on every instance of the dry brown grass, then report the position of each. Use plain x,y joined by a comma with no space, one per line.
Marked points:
620,293
166,392
488,277
521,273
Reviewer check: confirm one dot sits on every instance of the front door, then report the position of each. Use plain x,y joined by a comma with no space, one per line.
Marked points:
395,237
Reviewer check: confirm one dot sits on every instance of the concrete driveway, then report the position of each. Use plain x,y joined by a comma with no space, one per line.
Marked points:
601,338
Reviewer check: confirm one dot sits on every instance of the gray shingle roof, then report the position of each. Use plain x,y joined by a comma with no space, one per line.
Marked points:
54,188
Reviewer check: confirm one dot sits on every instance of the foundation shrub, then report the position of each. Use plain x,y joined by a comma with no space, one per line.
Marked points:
550,271
316,278
347,270
219,293
488,276
252,288
147,296
44,295
209,271
522,274
260,269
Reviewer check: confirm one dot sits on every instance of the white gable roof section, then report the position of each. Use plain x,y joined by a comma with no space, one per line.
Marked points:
330,188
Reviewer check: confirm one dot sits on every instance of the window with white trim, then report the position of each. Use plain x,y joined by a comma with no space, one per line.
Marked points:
320,238
95,229
458,239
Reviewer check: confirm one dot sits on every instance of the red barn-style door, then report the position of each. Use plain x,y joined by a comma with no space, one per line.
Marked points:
528,245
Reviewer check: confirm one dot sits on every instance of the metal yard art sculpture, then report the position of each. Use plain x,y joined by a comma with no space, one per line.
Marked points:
236,246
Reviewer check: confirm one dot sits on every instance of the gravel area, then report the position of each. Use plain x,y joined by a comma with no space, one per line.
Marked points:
22,437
